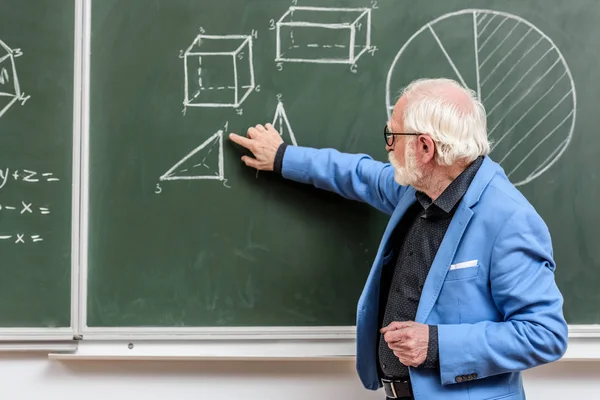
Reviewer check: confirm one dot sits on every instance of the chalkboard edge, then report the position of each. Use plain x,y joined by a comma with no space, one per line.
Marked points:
35,334
249,344
584,345
50,347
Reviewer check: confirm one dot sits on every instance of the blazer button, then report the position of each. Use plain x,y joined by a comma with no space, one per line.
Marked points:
458,379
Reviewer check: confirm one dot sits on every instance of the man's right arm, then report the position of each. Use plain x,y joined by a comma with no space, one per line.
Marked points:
353,176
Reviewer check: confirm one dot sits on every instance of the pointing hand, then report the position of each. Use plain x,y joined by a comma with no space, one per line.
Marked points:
263,142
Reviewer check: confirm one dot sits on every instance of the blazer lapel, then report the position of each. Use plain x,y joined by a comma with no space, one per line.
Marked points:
441,262
445,255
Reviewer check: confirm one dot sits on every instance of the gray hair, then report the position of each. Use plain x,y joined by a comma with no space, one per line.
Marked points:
460,132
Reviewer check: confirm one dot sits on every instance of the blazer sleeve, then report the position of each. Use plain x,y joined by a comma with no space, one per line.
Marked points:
353,176
523,287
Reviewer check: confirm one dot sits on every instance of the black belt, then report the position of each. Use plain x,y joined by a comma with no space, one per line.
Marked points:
397,389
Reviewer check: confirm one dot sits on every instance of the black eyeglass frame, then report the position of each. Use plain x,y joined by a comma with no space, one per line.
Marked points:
389,136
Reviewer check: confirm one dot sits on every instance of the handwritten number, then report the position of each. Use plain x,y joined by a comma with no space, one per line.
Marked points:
374,4
23,98
158,189
272,24
279,67
354,68
240,111
257,88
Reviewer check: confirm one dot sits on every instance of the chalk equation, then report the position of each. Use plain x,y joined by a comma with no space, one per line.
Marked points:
10,90
25,175
24,208
21,238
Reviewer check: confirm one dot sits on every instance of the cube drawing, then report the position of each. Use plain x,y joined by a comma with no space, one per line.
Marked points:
323,35
9,83
218,71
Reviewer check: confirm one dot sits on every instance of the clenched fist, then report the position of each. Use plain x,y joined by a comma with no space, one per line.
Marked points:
408,340
263,142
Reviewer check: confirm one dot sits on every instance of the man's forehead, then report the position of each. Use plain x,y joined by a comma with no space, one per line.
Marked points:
401,102
396,117
393,124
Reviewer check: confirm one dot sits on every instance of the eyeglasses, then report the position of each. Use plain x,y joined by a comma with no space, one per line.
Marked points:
389,136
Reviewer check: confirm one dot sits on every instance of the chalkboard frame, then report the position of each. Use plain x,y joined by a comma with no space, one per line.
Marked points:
49,337
327,341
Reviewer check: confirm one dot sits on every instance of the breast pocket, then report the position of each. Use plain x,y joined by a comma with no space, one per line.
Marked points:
463,270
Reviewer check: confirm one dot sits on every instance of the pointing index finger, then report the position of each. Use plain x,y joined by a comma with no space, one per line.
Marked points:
242,141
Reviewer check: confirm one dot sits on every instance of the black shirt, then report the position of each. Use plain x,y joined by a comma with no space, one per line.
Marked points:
412,248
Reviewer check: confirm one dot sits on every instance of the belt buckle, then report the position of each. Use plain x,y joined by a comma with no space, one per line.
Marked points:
392,388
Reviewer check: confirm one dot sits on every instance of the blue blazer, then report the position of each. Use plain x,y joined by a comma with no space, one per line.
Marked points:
491,287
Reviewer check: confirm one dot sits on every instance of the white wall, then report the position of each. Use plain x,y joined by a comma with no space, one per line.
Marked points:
33,377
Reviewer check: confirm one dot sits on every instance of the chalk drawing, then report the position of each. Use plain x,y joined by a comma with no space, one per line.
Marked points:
323,35
10,90
205,162
282,124
516,70
219,71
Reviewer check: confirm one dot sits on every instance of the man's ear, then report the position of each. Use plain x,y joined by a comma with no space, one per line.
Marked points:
426,148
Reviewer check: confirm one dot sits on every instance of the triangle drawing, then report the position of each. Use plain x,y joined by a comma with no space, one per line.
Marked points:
282,124
204,162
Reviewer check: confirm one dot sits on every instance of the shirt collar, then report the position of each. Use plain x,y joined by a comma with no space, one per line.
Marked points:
455,191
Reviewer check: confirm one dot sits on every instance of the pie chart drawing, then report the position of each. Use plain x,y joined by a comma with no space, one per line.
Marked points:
517,72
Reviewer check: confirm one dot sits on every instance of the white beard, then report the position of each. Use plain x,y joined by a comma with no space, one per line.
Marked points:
409,174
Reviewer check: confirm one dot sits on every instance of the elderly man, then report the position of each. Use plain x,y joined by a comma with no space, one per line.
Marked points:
461,296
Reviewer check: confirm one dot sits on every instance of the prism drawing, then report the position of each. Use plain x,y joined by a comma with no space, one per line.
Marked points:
282,124
323,35
219,71
204,162
10,92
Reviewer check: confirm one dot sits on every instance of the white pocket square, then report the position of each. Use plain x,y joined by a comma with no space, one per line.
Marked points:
466,264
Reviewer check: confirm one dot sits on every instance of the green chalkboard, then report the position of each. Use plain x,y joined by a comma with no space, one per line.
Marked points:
181,233
36,146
